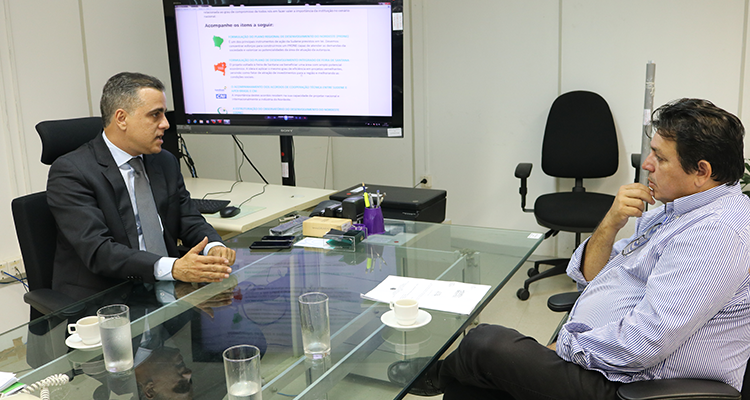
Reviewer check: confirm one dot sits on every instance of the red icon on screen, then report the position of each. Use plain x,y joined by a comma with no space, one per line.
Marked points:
222,66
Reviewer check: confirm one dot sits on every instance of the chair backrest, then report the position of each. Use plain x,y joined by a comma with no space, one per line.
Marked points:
37,237
580,140
63,136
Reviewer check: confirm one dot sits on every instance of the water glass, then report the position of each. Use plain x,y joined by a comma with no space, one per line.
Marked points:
114,329
242,372
315,324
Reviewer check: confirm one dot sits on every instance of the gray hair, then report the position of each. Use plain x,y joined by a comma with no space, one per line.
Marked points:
121,91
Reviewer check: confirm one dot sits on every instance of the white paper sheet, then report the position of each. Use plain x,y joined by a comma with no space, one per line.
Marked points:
455,297
7,379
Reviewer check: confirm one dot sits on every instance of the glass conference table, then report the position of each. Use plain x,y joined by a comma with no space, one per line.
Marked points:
180,330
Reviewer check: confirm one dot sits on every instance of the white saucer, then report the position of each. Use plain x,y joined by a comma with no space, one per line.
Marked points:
75,342
423,318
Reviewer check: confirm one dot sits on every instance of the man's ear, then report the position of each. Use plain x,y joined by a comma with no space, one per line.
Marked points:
121,119
703,173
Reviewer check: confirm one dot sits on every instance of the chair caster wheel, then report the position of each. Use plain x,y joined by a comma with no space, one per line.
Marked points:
523,294
532,271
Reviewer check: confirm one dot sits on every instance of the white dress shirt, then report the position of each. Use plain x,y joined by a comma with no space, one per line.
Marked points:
674,306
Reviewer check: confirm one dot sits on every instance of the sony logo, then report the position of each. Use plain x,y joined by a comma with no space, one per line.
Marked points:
287,130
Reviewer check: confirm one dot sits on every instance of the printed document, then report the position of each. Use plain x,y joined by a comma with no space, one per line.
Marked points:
455,297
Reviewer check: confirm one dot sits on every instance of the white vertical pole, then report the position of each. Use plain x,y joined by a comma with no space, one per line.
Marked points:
648,106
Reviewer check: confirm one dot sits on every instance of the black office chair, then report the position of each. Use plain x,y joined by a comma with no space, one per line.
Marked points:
63,136
666,389
37,235
579,142
35,225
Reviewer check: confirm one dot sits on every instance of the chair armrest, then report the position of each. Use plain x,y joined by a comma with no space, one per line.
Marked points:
635,161
523,171
692,389
562,302
48,301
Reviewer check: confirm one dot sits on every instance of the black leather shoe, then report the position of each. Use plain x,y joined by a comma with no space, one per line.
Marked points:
401,372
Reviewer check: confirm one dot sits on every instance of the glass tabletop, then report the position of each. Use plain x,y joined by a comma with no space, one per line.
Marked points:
180,330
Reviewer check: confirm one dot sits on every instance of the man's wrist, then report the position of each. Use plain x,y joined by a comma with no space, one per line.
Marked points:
211,246
163,269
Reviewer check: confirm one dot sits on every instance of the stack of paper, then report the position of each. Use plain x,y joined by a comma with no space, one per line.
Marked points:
9,383
7,379
455,297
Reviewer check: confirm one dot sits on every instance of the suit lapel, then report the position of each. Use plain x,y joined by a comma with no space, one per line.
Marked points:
112,173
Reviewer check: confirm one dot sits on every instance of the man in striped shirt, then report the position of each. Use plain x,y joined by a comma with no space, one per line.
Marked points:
672,301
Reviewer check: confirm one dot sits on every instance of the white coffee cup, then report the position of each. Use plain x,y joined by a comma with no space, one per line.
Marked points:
87,329
406,311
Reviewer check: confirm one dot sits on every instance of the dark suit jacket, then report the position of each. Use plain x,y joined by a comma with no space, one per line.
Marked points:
97,241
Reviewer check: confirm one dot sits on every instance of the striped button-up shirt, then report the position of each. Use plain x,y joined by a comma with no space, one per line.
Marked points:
674,306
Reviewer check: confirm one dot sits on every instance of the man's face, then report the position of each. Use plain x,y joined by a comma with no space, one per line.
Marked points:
145,126
166,374
666,178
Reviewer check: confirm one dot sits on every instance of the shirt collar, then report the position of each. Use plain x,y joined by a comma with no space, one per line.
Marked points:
689,203
120,156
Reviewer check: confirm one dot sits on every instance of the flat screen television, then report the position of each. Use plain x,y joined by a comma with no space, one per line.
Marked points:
287,68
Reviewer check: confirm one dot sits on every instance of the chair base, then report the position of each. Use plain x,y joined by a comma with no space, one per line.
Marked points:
559,266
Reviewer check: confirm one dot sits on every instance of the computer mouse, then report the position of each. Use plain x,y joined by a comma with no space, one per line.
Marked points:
229,211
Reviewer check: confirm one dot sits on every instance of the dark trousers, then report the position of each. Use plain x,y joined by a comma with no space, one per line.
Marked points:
494,362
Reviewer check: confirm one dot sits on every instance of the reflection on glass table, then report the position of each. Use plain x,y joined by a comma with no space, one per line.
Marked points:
178,343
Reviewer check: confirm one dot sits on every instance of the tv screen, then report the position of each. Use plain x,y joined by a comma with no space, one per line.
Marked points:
324,68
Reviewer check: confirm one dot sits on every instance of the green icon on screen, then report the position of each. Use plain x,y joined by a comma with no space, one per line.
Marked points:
218,41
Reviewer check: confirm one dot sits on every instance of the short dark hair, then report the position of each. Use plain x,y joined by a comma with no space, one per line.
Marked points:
703,131
121,91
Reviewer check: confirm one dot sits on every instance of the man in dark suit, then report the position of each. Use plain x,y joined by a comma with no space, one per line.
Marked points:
91,192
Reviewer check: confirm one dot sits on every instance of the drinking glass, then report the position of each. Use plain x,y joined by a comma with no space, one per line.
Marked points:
242,372
315,324
114,329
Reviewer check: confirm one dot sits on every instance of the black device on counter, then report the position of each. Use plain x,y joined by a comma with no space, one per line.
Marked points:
277,238
269,245
353,208
209,206
327,208
405,203
272,242
333,211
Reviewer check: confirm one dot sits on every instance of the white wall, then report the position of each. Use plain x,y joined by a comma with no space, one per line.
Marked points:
481,75
486,79
42,77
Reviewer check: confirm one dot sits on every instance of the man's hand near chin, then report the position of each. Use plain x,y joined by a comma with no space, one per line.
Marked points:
194,267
